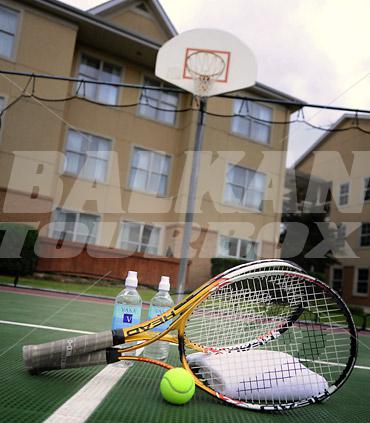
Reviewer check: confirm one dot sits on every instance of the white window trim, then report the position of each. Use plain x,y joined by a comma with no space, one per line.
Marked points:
3,117
355,286
342,240
81,177
339,194
360,236
364,190
12,57
258,244
144,116
164,153
332,268
78,212
241,206
101,60
247,136
141,223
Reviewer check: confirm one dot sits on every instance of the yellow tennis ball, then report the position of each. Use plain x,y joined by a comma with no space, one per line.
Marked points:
177,386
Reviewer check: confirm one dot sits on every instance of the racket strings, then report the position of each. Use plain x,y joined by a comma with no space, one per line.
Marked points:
302,362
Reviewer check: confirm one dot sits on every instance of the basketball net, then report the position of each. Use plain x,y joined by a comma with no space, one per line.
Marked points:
204,68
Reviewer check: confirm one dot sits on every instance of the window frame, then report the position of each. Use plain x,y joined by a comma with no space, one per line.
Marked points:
355,291
90,136
335,280
77,220
238,247
245,189
341,235
159,102
340,194
3,117
99,87
152,153
15,36
253,121
140,243
361,235
366,189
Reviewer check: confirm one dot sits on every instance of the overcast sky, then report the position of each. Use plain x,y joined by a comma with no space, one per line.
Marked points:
316,50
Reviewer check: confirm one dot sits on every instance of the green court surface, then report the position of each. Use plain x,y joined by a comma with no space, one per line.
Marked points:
136,396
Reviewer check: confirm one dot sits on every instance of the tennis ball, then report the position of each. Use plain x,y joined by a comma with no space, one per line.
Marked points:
177,386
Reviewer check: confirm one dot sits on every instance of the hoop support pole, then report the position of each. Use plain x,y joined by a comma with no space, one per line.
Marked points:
188,224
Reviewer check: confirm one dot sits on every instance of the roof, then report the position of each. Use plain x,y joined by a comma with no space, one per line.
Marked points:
326,135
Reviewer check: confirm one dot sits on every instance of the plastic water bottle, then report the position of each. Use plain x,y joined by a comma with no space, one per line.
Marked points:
160,303
127,311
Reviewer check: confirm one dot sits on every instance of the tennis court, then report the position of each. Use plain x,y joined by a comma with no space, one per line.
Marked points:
135,396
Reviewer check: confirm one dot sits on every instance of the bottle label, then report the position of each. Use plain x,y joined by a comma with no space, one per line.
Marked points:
155,311
125,315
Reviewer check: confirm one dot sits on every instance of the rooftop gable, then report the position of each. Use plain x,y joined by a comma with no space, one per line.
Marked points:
146,17
320,142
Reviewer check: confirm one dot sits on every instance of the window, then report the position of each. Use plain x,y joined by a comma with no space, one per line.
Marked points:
362,281
341,236
367,189
158,105
238,248
8,29
149,171
245,187
140,237
343,194
365,235
72,226
92,69
253,120
87,156
337,279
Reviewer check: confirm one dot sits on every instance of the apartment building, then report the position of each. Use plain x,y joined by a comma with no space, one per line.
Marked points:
106,170
340,160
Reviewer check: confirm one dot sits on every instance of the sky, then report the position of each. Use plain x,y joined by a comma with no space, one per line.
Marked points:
315,50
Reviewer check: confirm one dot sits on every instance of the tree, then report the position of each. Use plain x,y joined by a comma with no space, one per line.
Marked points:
308,240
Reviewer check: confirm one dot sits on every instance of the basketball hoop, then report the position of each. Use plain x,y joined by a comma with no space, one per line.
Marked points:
204,68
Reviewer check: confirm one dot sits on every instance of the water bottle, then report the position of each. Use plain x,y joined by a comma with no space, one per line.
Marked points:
127,311
160,303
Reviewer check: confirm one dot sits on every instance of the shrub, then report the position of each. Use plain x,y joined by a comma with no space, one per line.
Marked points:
220,264
17,256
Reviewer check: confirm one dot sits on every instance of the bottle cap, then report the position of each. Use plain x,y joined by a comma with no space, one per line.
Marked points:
131,279
164,284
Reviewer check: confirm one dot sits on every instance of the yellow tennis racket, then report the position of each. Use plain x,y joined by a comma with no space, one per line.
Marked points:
263,335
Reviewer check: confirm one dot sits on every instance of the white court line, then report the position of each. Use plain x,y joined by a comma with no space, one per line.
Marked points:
79,407
84,402
332,363
29,325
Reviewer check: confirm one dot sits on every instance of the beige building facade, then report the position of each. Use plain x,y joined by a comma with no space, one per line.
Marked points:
106,167
341,159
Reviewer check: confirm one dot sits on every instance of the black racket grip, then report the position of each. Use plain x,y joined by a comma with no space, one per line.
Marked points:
59,354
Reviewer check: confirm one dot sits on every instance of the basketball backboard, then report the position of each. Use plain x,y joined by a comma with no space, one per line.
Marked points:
206,62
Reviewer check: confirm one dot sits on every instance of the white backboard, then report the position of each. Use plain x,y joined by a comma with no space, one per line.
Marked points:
239,65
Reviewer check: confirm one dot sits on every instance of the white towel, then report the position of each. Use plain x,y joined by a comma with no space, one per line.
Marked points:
257,375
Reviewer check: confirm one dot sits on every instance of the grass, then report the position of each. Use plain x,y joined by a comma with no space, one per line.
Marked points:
100,288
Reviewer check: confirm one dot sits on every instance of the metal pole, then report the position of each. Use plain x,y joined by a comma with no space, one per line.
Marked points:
188,224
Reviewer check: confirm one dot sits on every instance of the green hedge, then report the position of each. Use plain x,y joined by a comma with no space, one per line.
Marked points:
220,264
17,235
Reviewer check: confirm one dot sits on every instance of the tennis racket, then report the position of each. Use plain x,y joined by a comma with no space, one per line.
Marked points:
263,336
